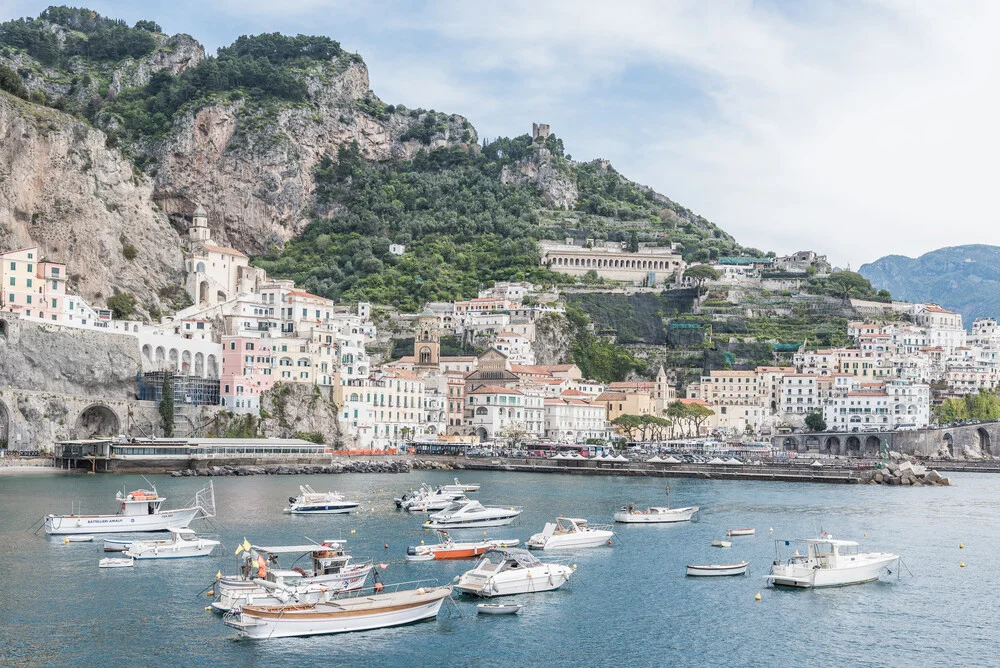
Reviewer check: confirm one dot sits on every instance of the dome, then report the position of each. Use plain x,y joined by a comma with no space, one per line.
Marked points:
200,212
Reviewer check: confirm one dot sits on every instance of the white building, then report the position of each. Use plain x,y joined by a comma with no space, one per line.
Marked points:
574,420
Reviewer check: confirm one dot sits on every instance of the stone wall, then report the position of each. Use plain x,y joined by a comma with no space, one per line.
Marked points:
979,441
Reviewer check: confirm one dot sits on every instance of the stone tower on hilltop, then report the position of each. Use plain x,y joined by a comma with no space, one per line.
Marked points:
539,132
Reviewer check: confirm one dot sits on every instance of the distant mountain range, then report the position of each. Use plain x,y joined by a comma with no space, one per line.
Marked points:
961,278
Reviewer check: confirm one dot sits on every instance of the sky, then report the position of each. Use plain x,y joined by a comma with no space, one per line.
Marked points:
855,129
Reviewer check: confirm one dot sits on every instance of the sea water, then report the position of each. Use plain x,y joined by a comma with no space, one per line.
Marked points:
629,604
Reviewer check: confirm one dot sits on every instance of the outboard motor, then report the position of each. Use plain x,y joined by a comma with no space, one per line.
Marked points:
291,499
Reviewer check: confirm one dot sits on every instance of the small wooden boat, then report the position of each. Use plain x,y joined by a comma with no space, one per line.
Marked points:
116,544
115,562
499,608
740,532
79,539
429,556
712,570
721,543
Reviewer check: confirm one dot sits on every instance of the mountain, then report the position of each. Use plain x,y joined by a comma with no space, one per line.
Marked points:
961,278
298,163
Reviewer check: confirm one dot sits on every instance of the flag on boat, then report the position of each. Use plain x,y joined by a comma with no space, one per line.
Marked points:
244,546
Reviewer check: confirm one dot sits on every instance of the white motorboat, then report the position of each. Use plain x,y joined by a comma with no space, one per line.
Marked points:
329,568
181,544
571,532
740,532
342,615
447,548
721,543
429,499
711,570
828,563
499,608
512,571
461,487
141,510
311,502
467,514
115,562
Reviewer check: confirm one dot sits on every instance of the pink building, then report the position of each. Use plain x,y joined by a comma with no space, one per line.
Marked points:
246,373
32,288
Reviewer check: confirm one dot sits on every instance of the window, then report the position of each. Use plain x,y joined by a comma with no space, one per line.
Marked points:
13,281
29,301
53,303
30,268
13,266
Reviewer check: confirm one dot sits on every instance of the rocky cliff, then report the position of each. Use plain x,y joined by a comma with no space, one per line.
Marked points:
549,174
63,189
251,166
290,409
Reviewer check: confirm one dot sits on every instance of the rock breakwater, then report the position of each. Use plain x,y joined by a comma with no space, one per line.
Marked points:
352,466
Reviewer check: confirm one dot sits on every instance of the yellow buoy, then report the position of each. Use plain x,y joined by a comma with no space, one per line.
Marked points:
771,530
574,567
66,540
208,608
962,565
210,592
757,597
421,542
961,546
866,535
353,531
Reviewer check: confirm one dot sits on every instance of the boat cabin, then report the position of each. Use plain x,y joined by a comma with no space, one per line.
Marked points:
500,561
824,553
140,502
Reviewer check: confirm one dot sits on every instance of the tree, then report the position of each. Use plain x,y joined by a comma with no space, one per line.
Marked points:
148,26
166,407
122,305
633,242
700,273
697,414
628,424
951,410
405,433
845,284
515,433
677,411
815,421
10,81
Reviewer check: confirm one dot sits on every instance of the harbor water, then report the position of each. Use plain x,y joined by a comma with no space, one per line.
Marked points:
629,604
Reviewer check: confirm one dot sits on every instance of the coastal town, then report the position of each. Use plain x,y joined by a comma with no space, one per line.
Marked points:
245,334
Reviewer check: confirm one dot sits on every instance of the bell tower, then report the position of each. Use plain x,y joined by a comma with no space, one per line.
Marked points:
199,232
427,342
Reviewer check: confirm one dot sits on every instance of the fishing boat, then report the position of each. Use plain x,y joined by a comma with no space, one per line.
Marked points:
713,570
740,532
571,532
327,565
467,514
721,543
115,562
277,587
342,615
141,510
499,608
447,548
630,514
828,563
182,543
512,571
311,502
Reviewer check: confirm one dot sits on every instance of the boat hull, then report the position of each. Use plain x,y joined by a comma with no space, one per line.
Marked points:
60,525
717,570
741,532
329,509
260,623
572,541
142,552
804,578
470,524
666,517
545,578
493,609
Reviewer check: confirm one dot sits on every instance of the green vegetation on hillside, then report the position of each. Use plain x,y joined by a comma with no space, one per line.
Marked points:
88,35
597,357
461,227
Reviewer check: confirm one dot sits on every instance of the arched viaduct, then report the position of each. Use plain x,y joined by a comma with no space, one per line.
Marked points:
968,441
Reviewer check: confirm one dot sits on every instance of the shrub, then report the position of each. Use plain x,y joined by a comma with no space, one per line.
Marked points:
130,252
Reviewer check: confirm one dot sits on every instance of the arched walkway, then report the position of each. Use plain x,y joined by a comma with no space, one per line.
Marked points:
872,446
812,443
985,443
853,446
791,443
481,434
949,443
832,446
97,420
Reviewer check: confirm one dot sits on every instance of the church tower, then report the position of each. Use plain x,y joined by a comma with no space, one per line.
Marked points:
427,343
199,232
664,394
